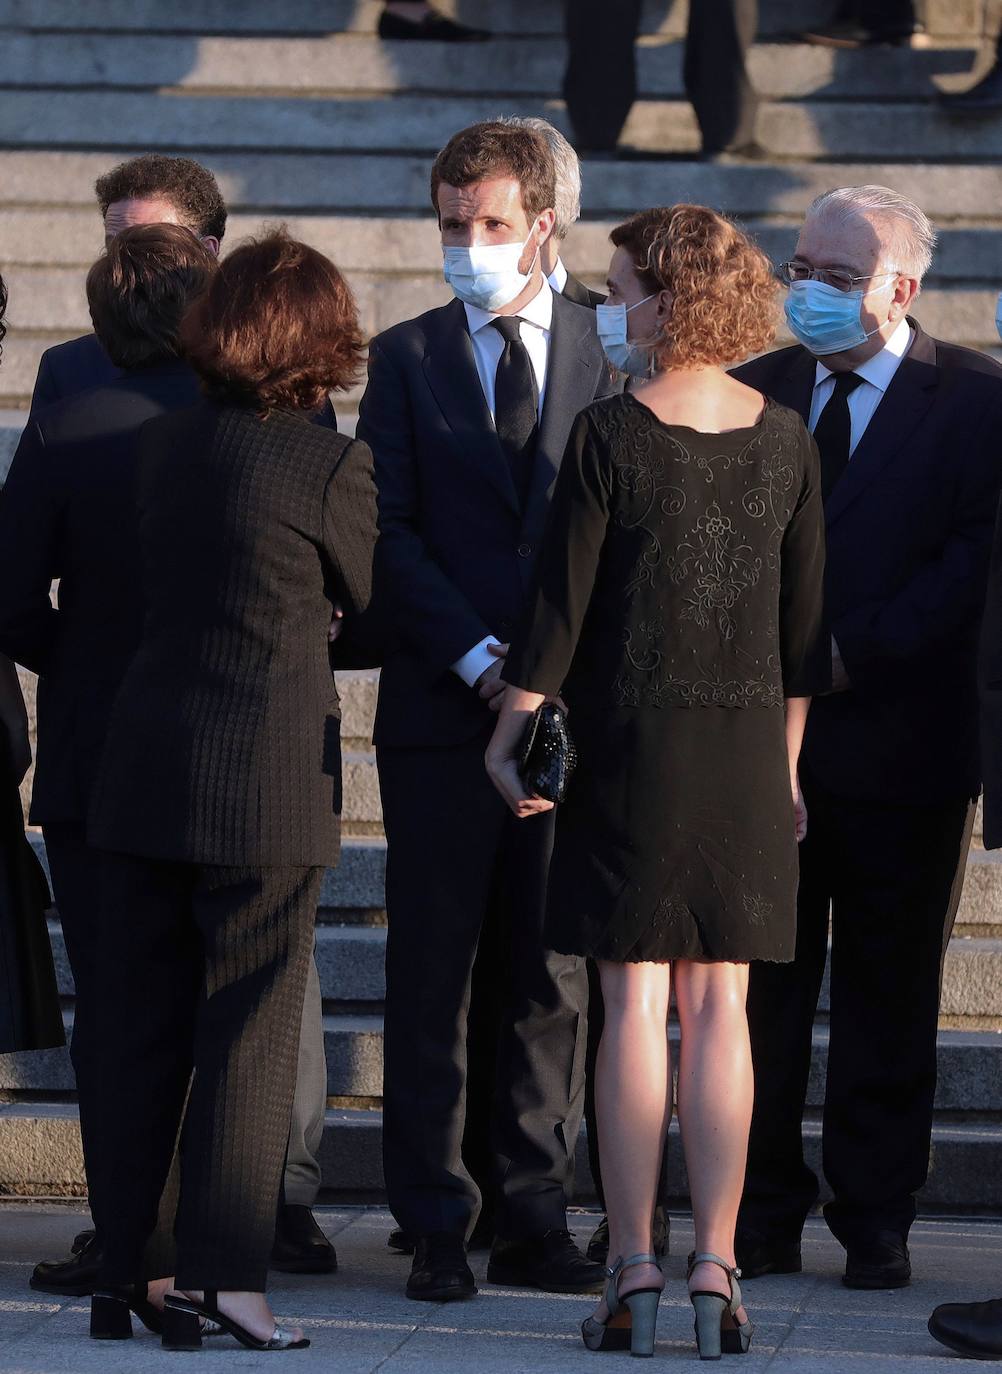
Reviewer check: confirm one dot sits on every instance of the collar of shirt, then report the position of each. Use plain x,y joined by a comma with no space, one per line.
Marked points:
880,369
558,277
538,311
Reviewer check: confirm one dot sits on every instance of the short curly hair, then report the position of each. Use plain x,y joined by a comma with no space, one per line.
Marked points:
190,188
725,291
277,328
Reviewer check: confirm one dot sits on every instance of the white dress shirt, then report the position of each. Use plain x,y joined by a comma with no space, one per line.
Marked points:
535,322
877,373
558,277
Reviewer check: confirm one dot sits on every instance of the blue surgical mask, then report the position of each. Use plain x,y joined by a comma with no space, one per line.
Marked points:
487,275
624,356
998,315
827,320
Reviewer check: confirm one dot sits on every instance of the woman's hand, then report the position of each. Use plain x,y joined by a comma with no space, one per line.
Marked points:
502,752
14,719
799,808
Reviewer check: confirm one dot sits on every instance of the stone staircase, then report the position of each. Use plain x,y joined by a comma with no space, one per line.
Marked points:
306,117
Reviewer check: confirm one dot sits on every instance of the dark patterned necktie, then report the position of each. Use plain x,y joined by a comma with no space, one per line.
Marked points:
833,432
516,404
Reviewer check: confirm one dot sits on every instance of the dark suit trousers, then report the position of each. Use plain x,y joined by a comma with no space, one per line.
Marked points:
600,80
453,851
716,80
75,870
201,978
892,877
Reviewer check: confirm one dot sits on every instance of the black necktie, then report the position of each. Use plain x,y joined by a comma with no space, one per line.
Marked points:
833,432
516,403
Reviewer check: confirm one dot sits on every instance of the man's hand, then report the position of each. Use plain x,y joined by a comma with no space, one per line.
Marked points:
489,685
840,678
337,623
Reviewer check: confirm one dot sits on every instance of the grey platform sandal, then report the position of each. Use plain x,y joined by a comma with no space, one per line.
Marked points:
632,1321
718,1330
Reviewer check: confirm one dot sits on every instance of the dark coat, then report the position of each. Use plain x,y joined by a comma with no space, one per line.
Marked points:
68,512
909,530
456,552
576,291
223,746
81,364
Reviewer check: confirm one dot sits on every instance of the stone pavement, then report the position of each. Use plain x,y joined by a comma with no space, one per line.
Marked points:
360,1322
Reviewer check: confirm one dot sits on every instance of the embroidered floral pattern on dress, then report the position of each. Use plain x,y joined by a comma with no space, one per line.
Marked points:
711,525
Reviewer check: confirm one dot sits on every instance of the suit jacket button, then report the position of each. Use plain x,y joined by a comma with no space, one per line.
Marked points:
525,550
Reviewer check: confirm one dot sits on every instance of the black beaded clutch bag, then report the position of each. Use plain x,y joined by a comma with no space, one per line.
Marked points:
548,756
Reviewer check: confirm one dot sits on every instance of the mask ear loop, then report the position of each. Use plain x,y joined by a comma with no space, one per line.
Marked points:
650,344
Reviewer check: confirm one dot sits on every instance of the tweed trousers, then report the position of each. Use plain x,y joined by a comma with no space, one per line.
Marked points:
202,973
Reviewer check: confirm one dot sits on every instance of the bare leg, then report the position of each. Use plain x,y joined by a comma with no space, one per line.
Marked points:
633,1107
715,1091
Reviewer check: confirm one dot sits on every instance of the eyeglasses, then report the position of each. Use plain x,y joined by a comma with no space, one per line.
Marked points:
789,272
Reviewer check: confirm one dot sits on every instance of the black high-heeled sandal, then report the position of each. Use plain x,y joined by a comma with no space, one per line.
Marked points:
182,1326
111,1312
718,1330
632,1321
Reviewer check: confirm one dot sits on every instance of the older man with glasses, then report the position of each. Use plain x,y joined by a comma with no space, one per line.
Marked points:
907,429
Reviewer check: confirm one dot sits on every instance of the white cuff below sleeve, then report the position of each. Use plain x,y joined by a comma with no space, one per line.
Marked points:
477,661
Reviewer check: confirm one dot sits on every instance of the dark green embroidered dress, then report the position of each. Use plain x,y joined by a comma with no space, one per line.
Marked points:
678,601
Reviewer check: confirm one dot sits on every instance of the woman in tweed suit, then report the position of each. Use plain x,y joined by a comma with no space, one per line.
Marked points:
220,790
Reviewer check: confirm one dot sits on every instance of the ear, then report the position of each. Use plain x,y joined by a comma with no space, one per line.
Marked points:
905,291
212,243
545,222
664,305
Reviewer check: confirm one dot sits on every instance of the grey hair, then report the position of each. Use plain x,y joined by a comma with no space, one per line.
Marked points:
567,199
913,237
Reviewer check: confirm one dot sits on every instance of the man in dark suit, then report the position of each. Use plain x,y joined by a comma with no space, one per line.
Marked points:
600,80
467,412
907,428
152,189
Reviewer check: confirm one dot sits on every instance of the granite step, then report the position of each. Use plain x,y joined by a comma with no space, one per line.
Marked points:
344,182
507,66
40,1156
527,19
423,123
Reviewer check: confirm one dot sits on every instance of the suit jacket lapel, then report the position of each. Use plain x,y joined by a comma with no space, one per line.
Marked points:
795,387
571,380
898,413
451,372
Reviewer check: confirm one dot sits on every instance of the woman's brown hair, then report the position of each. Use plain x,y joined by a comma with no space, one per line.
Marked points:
141,286
724,291
277,328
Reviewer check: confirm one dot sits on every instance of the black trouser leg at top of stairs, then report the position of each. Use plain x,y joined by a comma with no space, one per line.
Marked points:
893,876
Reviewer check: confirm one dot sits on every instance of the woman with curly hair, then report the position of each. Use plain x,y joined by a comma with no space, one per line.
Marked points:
219,796
677,607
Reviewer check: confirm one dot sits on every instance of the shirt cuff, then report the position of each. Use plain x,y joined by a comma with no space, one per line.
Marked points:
477,661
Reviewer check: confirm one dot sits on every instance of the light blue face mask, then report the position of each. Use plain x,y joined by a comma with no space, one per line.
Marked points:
827,320
624,356
487,275
998,315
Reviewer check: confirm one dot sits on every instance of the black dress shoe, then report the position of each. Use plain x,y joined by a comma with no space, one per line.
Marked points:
81,1240
551,1262
970,1328
598,1246
756,1255
73,1277
440,1272
984,98
433,27
400,1241
849,33
481,1239
877,1261
300,1245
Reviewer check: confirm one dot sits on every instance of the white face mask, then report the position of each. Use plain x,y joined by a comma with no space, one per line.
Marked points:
612,330
487,276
